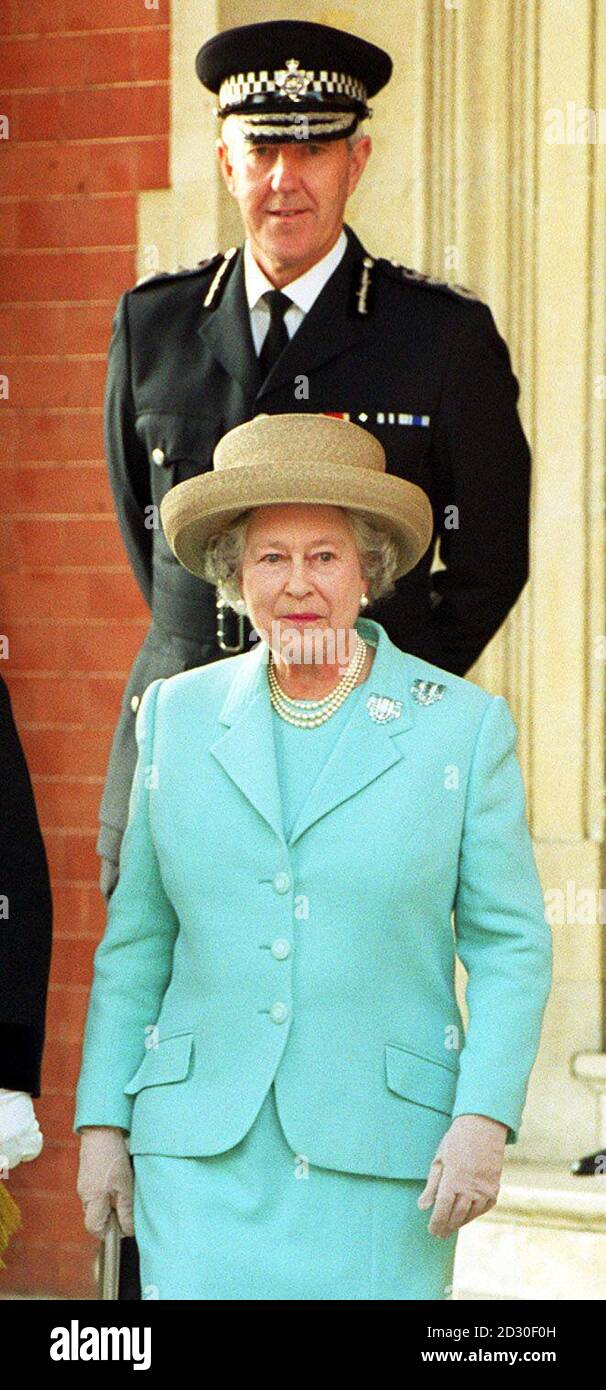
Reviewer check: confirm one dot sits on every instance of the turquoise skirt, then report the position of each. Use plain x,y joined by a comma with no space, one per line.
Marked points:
257,1222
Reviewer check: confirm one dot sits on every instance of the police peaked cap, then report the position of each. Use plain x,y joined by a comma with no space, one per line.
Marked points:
285,68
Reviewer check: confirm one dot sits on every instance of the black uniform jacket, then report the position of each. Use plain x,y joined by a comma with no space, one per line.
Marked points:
417,362
26,920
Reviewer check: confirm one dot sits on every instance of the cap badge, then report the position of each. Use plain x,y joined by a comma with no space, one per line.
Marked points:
426,692
382,707
293,83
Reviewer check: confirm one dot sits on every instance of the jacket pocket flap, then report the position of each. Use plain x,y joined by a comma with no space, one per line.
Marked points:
170,438
420,1079
168,1061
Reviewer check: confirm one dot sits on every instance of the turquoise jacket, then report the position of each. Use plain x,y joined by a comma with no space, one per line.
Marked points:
325,962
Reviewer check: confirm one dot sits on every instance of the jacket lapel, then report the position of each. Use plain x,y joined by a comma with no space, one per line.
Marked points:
246,751
227,334
326,331
365,749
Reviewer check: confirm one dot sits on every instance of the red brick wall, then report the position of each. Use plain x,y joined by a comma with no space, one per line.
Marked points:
85,88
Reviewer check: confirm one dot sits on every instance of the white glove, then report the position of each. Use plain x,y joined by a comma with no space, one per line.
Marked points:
20,1134
105,1179
465,1175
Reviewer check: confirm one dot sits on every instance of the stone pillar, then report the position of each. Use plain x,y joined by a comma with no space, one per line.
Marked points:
180,225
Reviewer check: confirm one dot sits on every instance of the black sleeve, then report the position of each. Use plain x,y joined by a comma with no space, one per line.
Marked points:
25,919
481,464
127,461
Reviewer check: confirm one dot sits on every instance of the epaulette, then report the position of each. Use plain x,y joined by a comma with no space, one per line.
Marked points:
161,276
419,277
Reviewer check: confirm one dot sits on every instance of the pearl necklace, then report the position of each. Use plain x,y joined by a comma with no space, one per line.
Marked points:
308,714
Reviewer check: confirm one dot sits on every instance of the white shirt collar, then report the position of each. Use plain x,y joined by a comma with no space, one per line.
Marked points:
305,289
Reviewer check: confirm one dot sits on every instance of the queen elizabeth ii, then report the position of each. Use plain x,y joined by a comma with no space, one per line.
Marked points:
317,829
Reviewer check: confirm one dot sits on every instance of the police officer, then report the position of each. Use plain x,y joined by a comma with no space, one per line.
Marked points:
303,317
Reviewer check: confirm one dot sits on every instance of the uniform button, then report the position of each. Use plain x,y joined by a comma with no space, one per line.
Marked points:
135,701
281,883
281,948
158,455
279,1013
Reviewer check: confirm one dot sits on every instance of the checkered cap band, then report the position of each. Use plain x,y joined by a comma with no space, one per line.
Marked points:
235,89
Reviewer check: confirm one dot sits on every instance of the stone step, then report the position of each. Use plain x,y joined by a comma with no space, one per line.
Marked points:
545,1239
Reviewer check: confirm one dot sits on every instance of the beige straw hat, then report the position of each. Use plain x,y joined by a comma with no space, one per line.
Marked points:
295,458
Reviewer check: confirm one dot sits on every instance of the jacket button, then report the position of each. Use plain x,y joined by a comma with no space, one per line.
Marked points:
135,701
281,948
281,883
278,1013
158,456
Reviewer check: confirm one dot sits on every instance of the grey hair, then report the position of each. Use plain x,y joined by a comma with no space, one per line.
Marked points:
378,553
357,134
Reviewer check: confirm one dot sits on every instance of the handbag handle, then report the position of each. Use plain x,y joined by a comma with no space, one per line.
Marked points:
109,1259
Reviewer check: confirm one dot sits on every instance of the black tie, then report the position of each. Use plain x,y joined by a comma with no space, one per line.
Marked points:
277,334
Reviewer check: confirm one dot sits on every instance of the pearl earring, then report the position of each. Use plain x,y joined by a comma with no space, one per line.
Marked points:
364,601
